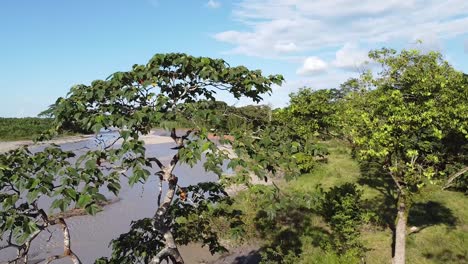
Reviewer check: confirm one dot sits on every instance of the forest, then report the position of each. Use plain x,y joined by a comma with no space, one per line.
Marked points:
29,128
372,171
23,128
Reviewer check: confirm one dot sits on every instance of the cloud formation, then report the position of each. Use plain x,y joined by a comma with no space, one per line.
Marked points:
350,57
312,65
213,4
278,27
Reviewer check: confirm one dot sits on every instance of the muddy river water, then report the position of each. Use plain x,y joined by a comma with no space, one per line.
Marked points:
90,235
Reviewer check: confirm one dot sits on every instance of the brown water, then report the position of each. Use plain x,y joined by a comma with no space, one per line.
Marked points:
90,235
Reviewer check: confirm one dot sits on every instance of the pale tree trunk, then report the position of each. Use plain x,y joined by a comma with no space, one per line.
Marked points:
67,251
170,250
400,233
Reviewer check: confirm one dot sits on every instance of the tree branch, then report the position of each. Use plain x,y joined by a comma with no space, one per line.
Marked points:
454,176
157,161
67,252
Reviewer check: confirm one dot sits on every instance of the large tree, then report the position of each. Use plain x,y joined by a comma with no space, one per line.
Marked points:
146,97
412,118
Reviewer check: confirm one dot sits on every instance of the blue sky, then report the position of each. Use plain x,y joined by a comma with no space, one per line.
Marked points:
47,46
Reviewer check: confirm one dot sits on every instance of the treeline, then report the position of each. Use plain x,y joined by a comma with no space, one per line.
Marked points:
218,115
23,128
28,128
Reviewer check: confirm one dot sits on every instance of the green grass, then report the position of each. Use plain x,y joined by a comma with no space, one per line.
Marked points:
339,169
446,240
441,215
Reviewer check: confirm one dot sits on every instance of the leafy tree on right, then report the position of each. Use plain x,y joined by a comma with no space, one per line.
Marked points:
412,118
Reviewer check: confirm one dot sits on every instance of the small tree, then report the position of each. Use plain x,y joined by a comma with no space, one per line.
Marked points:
146,97
27,178
342,208
416,104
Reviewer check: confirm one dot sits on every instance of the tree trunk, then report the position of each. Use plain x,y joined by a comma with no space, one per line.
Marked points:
170,250
400,233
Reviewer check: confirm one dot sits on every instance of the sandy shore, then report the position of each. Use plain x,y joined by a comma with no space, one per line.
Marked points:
10,145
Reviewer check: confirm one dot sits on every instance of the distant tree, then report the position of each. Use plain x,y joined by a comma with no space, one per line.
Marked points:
312,113
413,119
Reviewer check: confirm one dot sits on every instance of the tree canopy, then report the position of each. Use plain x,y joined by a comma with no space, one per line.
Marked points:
411,120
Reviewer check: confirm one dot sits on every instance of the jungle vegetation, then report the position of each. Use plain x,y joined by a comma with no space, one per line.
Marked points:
373,171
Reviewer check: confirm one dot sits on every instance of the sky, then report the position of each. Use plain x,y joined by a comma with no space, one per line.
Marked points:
48,46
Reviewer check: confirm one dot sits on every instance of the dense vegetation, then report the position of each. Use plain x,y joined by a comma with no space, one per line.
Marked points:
23,128
373,171
29,128
297,229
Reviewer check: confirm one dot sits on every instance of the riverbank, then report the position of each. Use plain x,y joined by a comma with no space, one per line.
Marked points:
5,146
91,234
10,145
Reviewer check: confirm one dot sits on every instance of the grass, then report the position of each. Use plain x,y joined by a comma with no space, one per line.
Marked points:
442,217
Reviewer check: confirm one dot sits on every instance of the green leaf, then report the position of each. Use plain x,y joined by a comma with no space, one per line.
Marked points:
92,209
206,146
84,200
31,196
71,193
9,223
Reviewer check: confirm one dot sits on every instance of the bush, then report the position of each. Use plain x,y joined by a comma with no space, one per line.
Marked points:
342,209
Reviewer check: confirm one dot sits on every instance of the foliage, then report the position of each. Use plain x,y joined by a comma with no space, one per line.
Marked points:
417,104
23,128
224,118
168,89
287,220
440,241
272,148
404,117
312,112
190,217
30,128
26,178
343,209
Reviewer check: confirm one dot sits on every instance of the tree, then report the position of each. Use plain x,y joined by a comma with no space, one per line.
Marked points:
145,97
26,178
405,120
312,113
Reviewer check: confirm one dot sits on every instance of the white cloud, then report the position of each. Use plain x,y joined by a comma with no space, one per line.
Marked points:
213,4
350,57
332,79
285,47
312,65
313,25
